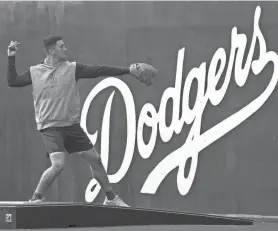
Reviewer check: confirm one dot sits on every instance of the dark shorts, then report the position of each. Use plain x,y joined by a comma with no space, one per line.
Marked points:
68,139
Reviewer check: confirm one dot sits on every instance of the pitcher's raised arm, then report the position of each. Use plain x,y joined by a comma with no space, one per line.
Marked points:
13,79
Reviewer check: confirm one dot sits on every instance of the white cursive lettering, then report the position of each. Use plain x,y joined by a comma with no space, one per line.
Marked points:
195,141
131,126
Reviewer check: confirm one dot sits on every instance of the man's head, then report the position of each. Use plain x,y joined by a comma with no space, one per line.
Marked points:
55,47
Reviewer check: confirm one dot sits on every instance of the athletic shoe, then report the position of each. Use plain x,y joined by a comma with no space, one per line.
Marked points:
36,200
117,201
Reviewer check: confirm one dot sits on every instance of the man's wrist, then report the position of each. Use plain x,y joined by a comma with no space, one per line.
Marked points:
11,60
126,70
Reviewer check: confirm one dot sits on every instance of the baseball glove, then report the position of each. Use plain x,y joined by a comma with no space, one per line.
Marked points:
144,72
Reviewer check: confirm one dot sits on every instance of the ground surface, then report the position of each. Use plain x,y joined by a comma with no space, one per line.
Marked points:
256,227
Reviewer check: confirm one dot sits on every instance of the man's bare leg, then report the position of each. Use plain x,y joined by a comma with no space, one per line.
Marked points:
93,158
50,175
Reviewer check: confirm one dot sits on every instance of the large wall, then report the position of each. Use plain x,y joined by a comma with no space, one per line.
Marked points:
236,169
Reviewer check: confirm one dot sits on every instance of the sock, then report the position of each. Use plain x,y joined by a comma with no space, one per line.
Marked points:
37,196
110,195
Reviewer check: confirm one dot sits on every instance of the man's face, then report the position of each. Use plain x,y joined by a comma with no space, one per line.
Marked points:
59,50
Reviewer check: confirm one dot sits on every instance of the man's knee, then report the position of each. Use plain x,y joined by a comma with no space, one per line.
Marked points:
58,167
91,155
58,161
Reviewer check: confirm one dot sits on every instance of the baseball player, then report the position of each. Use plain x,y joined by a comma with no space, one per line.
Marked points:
58,109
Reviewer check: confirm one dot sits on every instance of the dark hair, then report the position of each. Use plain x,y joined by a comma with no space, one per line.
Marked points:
51,39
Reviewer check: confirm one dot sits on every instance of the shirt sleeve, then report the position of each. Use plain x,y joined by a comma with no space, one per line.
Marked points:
84,71
15,80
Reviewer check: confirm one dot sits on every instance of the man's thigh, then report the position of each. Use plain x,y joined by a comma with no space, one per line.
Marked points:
76,140
54,140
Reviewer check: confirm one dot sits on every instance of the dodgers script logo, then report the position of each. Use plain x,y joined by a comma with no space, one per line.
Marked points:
195,141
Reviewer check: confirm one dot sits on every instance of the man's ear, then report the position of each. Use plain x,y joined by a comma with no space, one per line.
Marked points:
51,51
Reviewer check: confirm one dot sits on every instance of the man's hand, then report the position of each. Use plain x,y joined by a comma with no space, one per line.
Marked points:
12,48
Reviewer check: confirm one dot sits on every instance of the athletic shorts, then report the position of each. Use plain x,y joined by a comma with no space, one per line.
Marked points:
68,139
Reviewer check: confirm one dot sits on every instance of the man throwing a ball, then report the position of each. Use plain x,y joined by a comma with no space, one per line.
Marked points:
58,109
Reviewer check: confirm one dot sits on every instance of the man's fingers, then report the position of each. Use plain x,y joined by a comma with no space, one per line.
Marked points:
13,46
14,43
